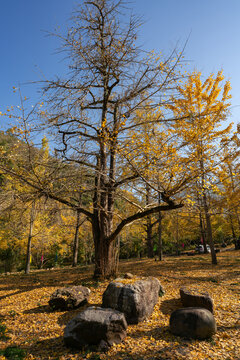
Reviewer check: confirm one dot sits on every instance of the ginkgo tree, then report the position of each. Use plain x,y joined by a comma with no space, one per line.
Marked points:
93,110
154,154
228,178
203,107
25,198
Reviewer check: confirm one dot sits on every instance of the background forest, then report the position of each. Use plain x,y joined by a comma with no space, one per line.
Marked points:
130,156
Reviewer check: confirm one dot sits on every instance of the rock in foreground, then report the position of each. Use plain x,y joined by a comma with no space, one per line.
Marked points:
96,326
69,298
136,300
193,322
194,298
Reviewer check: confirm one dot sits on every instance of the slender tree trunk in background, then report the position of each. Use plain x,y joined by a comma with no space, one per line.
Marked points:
149,239
203,232
209,229
209,236
233,231
76,241
30,235
177,237
160,243
238,220
237,241
237,244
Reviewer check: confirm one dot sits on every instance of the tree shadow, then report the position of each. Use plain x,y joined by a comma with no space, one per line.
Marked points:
39,310
223,328
19,283
157,332
168,306
175,351
52,348
63,319
15,293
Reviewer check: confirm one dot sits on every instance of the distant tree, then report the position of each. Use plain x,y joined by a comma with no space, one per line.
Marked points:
204,106
228,178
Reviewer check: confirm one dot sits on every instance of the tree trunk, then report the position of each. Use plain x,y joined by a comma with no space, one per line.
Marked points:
30,235
237,243
105,259
160,244
203,232
207,215
209,230
238,219
233,231
149,238
177,237
76,241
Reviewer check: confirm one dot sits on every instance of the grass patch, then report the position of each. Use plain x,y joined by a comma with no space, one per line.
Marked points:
3,332
14,353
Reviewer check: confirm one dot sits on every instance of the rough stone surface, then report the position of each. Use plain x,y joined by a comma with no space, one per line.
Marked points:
193,322
97,327
69,298
194,298
136,300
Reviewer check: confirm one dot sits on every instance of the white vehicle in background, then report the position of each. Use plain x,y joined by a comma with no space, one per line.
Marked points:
200,249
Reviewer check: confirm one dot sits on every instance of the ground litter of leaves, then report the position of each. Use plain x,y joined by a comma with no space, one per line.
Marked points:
27,322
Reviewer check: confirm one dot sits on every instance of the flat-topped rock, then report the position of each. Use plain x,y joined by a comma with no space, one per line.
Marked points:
96,326
192,297
69,298
135,299
193,322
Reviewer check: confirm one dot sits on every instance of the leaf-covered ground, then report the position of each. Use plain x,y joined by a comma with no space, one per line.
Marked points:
27,322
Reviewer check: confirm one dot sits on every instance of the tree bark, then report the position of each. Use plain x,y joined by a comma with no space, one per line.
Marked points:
76,241
238,218
203,232
207,215
160,243
177,236
209,229
105,260
237,243
149,226
30,235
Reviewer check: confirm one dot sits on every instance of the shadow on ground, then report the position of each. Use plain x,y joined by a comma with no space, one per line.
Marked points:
63,319
168,306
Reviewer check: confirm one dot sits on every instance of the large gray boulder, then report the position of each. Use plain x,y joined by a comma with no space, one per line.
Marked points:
195,298
69,298
193,322
136,300
96,326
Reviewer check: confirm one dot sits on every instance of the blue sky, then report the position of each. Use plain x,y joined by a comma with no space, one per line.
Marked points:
28,54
